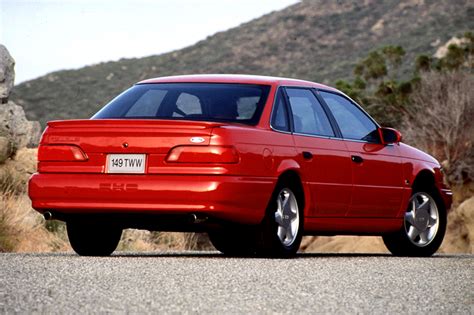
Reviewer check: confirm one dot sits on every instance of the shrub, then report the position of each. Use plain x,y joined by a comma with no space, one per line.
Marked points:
441,122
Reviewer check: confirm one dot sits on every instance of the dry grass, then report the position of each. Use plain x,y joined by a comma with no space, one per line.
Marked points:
343,244
140,240
24,230
21,228
11,181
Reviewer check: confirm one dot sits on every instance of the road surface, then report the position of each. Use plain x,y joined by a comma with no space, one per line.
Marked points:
200,282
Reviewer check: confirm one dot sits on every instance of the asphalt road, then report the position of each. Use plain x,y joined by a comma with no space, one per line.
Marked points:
194,282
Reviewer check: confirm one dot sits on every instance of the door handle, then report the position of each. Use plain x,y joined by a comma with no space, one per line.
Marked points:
357,159
307,155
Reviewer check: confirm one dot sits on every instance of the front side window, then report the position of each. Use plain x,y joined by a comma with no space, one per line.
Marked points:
308,114
352,121
190,101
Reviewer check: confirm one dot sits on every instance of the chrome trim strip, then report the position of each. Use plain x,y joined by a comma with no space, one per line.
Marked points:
336,138
280,131
316,136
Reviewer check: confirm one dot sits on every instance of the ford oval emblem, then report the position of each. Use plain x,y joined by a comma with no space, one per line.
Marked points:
197,140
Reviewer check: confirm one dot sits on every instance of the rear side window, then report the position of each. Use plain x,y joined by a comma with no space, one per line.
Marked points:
147,105
187,105
280,114
352,121
246,107
192,101
308,114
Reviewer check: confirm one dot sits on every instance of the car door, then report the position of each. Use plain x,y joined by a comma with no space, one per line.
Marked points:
324,159
376,168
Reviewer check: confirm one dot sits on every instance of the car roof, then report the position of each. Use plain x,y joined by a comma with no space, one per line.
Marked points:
236,78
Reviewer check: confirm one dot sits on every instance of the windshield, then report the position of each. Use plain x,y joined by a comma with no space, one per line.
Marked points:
192,101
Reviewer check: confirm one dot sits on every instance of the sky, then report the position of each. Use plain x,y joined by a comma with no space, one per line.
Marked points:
49,35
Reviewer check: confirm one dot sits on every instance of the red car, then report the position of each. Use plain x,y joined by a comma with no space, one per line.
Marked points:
257,162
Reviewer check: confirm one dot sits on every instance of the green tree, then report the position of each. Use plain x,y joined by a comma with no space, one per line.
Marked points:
381,89
377,85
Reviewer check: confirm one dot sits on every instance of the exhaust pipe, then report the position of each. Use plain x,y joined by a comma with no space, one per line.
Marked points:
47,215
197,219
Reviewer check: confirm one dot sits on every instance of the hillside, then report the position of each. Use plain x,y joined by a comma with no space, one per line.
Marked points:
318,40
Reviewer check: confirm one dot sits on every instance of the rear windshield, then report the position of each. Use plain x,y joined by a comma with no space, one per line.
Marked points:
241,103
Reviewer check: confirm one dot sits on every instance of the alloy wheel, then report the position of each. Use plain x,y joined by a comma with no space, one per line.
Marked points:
421,219
287,217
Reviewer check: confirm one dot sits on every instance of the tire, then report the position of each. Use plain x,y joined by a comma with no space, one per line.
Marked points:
89,239
423,228
282,228
235,241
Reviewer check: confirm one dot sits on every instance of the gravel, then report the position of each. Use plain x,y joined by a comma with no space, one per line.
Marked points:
207,282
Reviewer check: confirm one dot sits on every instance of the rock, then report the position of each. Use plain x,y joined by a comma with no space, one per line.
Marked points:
13,124
7,73
442,51
378,27
16,131
460,232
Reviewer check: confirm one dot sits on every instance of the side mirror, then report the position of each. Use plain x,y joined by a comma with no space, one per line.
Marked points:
390,135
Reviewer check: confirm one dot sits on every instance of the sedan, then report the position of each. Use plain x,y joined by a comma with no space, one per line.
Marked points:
256,162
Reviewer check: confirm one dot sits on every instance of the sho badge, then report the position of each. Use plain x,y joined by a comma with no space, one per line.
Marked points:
197,140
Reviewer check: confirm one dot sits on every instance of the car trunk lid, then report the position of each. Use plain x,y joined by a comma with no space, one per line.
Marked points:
89,146
128,136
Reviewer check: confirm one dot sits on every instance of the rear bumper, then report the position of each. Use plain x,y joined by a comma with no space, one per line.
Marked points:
231,198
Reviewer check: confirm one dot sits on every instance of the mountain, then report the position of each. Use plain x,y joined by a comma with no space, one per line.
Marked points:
317,40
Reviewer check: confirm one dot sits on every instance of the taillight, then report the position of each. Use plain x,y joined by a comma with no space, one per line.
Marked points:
203,154
60,153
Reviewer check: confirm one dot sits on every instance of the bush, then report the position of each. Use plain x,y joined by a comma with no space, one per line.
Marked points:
441,122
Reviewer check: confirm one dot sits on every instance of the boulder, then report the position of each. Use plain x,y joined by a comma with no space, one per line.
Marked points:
16,131
7,73
13,123
460,232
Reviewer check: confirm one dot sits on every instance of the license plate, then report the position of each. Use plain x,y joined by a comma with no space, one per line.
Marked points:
126,163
